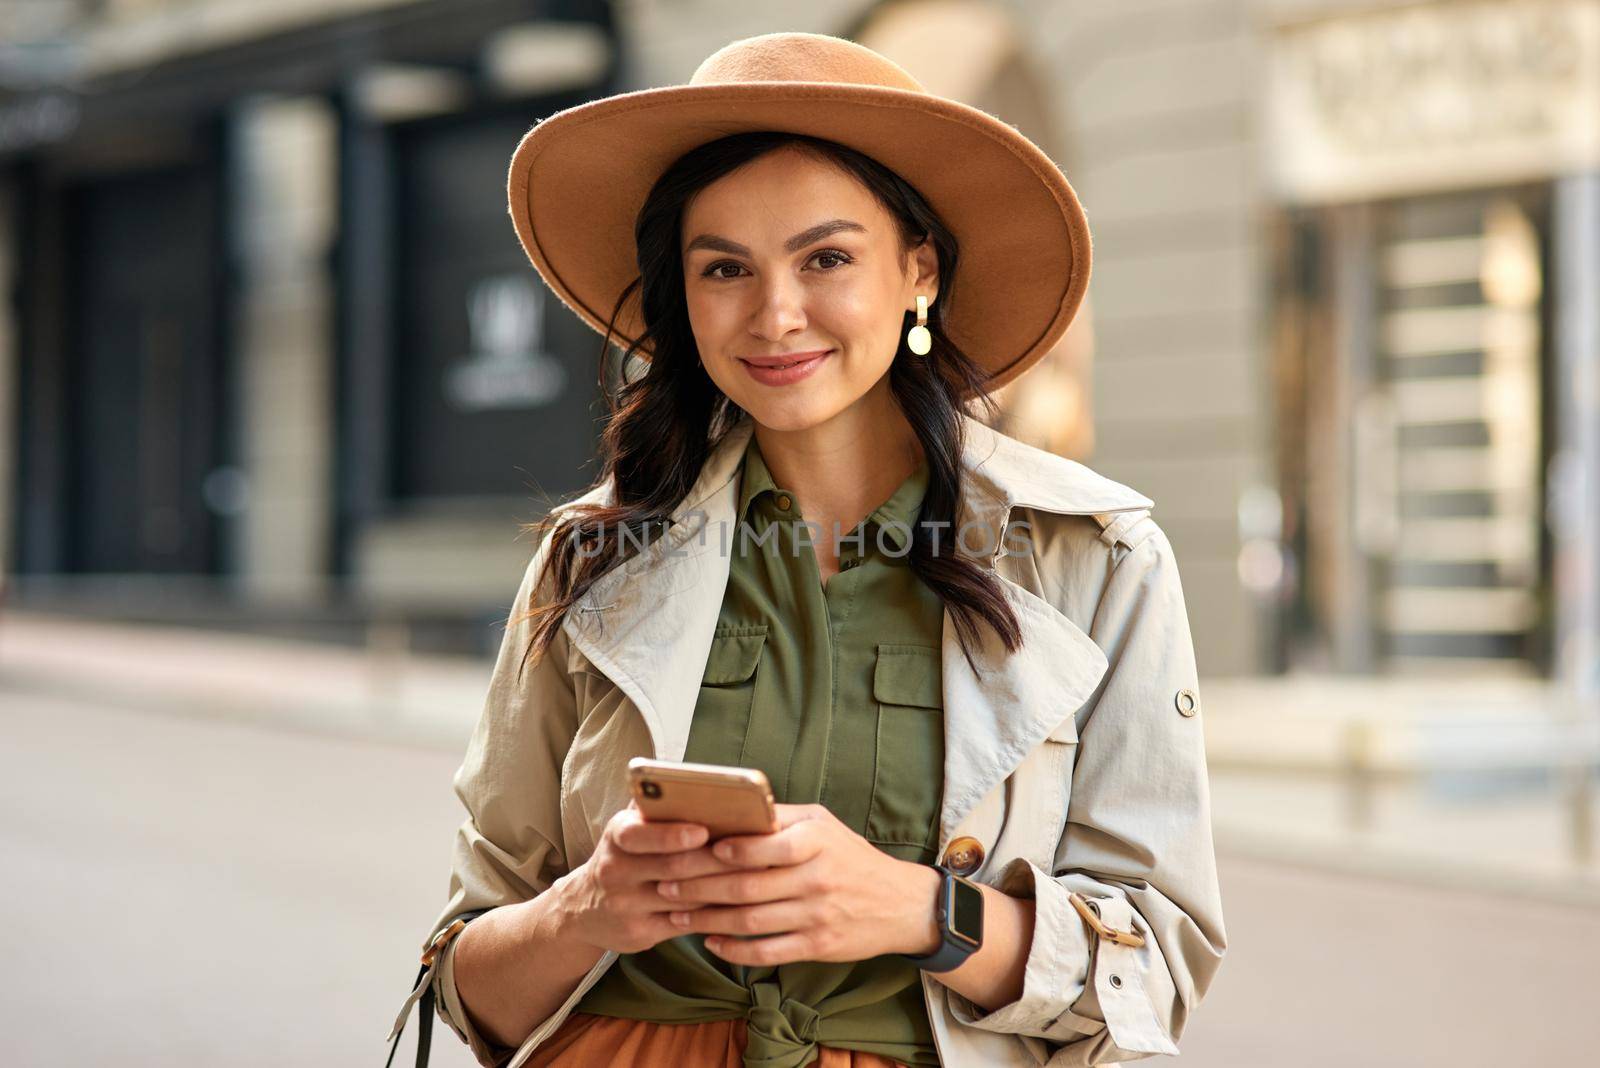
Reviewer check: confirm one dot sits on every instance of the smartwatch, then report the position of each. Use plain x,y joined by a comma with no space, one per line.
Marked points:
960,918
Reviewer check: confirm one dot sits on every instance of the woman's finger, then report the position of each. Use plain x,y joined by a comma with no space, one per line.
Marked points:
789,815
795,844
643,836
774,917
646,901
689,864
740,887
773,949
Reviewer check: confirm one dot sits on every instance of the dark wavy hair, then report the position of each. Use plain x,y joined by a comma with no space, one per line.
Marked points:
662,425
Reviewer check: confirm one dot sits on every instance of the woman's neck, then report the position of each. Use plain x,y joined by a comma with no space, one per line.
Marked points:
840,470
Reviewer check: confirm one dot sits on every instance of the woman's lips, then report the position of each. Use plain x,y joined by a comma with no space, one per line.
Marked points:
783,376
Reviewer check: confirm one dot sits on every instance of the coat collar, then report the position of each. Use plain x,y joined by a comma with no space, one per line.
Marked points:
648,623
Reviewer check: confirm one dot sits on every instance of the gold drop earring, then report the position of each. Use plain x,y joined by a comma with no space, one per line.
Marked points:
918,339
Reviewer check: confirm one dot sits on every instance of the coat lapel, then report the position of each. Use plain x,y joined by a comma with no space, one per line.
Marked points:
999,707
1002,705
648,625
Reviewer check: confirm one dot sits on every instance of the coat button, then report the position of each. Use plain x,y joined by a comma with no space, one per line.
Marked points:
783,502
964,855
1188,704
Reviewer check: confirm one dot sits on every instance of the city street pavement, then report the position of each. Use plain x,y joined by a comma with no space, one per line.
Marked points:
218,891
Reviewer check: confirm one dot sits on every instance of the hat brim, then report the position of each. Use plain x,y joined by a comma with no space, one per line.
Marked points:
578,178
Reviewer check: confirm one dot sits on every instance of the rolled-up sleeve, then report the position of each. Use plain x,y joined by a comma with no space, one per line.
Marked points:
1137,843
510,846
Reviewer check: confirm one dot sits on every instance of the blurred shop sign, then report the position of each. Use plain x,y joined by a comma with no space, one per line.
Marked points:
505,367
1440,95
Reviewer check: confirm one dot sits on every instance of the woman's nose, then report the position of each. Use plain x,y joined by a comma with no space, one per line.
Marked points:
781,311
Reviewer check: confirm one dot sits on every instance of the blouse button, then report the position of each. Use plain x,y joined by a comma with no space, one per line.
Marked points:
964,855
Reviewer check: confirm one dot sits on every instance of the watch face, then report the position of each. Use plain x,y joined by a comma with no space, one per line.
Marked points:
966,912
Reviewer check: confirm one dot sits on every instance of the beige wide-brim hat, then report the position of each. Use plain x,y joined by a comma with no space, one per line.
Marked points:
579,177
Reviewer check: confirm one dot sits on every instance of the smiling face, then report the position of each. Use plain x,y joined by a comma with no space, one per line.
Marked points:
792,259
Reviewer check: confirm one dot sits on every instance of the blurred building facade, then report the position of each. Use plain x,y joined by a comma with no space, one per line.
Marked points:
277,354
272,346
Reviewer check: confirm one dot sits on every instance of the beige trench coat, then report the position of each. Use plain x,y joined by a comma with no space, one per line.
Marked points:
1077,763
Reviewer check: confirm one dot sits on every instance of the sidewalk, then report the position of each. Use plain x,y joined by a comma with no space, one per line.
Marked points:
1468,782
301,685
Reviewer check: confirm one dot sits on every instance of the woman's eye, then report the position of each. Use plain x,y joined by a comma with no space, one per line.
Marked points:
839,259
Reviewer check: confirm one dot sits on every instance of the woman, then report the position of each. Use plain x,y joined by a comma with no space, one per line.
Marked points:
974,661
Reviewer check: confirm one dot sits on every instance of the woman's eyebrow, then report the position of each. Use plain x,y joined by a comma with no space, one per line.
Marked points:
794,244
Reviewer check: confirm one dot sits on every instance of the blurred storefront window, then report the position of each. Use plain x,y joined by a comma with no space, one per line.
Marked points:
1419,488
495,384
1419,156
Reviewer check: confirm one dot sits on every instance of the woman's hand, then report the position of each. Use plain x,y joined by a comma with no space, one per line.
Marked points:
610,900
818,889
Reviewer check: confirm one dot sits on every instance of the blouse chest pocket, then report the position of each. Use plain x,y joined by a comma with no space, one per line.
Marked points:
727,692
735,652
908,776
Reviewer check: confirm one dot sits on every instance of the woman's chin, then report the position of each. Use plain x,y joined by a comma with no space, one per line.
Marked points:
789,413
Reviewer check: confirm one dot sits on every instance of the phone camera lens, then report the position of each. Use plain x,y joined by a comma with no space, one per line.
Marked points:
650,788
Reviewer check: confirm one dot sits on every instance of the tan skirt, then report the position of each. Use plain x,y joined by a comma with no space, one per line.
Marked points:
585,1039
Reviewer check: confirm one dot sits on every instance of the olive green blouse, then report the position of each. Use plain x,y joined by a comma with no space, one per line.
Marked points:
834,692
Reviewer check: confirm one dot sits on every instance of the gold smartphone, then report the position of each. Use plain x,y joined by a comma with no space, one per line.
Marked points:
727,800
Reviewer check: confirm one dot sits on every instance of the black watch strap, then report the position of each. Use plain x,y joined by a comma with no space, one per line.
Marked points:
952,951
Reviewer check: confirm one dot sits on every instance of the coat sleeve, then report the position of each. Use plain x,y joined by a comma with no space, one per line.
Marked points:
510,847
1137,842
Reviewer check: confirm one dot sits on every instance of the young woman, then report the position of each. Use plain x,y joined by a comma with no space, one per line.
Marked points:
963,663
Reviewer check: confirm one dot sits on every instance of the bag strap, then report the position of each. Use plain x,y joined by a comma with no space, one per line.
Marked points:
424,1026
424,1003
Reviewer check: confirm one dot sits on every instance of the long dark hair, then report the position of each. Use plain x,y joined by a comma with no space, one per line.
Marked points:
664,424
